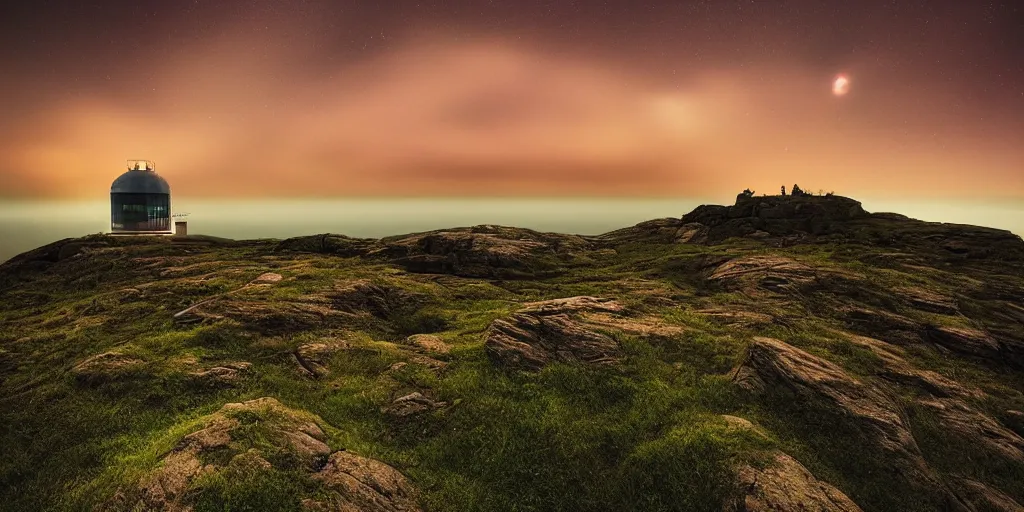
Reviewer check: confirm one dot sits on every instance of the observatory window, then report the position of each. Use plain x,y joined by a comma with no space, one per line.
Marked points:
134,213
140,212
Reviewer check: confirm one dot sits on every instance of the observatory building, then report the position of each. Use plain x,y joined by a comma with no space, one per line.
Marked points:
140,201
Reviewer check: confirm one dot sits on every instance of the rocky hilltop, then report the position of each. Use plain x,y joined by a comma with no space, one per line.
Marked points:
781,353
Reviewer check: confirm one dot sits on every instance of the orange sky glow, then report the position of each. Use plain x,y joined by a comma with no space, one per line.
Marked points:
432,114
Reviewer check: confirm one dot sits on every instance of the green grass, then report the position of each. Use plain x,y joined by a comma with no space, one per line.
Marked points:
242,488
573,438
646,434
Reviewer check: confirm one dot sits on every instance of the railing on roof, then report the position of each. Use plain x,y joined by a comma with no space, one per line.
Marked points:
141,165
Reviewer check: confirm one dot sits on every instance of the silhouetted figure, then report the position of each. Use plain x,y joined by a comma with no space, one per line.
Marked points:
797,191
783,190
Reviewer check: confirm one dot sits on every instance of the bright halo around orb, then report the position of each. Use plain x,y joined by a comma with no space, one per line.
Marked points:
841,85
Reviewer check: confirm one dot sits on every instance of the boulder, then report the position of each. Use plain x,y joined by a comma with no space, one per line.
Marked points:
295,431
165,489
692,233
530,342
785,485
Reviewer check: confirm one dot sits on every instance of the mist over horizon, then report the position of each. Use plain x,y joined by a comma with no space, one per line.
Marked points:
28,224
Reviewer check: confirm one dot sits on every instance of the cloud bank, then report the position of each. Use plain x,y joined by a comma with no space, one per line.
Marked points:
226,116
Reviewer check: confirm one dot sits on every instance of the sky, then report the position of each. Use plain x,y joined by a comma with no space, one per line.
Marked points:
292,99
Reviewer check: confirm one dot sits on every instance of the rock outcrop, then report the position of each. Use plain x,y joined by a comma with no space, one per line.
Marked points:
780,484
948,400
964,340
880,324
262,316
775,216
106,367
312,358
927,300
772,362
225,374
229,433
429,342
573,329
411,404
483,251
959,418
785,485
895,368
360,484
136,341
226,442
667,230
772,273
737,317
338,245
376,298
985,499
550,331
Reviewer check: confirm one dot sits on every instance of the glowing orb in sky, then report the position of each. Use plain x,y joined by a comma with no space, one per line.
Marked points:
841,85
